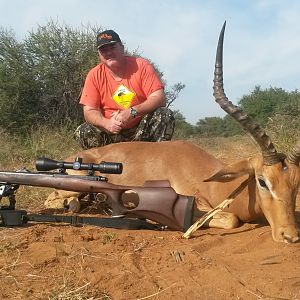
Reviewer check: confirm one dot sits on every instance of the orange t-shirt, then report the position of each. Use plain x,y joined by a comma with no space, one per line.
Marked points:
102,91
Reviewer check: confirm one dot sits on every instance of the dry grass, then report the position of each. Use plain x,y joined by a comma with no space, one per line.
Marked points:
22,152
68,292
230,148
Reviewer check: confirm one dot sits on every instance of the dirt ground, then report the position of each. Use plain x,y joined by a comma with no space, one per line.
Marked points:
46,261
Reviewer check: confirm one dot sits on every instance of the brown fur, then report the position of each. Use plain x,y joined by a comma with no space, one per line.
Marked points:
186,166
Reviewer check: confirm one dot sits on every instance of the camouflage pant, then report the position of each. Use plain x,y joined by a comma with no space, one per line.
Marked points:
154,127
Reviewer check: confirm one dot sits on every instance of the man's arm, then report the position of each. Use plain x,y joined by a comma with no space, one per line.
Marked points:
96,118
154,100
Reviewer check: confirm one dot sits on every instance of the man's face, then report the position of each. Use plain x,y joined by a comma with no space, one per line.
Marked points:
112,54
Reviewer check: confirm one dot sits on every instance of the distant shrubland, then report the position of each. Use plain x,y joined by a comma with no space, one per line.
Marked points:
41,78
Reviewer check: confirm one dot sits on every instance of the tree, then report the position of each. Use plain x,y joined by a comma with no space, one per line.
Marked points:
211,126
284,125
60,57
231,126
262,104
17,84
42,77
183,129
173,93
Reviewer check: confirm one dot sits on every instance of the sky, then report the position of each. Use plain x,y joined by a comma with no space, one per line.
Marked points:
261,46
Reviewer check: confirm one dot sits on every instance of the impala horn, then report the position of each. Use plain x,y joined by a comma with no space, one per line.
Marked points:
294,156
270,155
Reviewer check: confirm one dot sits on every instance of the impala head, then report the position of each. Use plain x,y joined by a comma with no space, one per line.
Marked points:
277,177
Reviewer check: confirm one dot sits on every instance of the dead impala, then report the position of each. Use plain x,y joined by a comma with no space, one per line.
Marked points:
273,178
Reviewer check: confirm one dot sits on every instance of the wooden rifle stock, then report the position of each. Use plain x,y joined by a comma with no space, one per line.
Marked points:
156,200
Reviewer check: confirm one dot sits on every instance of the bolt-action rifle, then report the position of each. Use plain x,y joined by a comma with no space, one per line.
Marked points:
155,200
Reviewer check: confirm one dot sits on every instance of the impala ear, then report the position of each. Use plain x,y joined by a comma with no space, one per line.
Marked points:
230,172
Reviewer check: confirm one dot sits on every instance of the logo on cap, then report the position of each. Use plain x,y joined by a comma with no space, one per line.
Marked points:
105,36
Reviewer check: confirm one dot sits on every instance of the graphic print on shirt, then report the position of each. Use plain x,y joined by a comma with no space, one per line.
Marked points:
123,96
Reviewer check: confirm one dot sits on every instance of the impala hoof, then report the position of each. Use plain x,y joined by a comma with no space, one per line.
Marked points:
72,204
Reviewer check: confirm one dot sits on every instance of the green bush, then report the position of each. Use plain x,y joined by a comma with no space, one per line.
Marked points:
284,131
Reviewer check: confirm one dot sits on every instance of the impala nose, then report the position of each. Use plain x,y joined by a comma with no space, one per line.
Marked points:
290,237
287,234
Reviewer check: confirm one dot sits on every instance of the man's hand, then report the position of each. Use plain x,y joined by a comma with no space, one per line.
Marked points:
114,124
124,116
95,117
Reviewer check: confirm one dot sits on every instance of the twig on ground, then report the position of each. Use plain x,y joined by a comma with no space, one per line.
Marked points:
78,289
159,292
215,210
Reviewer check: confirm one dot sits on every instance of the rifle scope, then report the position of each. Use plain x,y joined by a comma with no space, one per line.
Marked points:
46,164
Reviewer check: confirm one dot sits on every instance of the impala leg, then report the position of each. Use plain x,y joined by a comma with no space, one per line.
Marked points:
223,220
63,199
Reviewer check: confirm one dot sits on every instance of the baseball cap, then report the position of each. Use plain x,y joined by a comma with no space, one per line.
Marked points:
107,37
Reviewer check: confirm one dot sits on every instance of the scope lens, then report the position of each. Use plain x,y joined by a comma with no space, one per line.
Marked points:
110,167
46,164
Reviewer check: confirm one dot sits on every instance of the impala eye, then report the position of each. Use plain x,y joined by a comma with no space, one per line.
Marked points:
262,183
